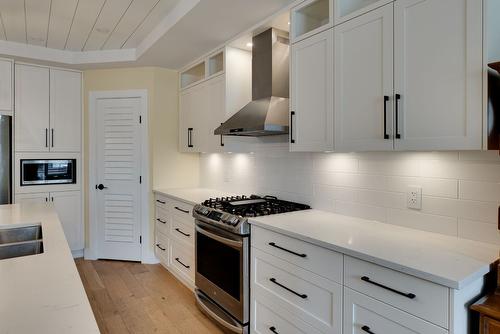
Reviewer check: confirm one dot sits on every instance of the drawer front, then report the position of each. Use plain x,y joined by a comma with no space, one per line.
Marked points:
413,295
162,220
266,319
364,315
181,231
312,298
300,253
181,209
182,260
161,201
162,248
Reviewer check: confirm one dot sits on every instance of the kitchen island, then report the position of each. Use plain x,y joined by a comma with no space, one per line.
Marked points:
42,293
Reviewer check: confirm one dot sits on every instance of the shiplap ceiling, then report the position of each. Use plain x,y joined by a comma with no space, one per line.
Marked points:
113,33
81,25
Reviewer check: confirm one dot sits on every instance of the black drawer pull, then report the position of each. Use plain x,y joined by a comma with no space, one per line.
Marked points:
184,234
185,266
162,202
185,211
273,329
407,295
301,295
292,113
386,99
161,221
398,135
367,329
160,247
287,250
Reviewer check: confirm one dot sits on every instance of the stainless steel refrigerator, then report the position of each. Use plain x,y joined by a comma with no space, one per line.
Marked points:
5,159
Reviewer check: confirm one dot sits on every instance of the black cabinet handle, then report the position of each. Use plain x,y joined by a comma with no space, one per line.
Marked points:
160,247
292,113
161,221
386,99
190,137
273,329
407,295
221,138
162,202
301,295
287,250
185,211
398,98
46,137
184,234
184,265
52,133
367,329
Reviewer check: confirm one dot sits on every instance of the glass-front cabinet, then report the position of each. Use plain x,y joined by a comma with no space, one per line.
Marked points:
311,17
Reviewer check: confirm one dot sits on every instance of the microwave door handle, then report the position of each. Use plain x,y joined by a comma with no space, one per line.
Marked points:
225,241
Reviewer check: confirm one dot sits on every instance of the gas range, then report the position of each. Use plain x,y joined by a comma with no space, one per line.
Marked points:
232,213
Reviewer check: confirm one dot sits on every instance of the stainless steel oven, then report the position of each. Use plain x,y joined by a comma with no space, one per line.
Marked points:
49,171
222,276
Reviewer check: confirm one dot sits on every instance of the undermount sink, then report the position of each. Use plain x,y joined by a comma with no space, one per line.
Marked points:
20,241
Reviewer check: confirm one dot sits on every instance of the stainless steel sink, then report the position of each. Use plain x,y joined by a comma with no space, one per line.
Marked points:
20,234
20,241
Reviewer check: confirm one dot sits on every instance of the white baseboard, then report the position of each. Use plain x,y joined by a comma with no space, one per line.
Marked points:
150,260
77,253
88,254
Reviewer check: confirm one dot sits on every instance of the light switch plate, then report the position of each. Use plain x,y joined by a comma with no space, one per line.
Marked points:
414,197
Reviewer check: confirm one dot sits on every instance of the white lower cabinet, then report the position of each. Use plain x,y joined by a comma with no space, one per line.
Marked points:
366,315
68,205
174,237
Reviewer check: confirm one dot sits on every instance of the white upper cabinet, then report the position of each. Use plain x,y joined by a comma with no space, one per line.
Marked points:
32,108
438,74
48,109
65,111
216,113
6,90
311,17
364,82
311,127
191,104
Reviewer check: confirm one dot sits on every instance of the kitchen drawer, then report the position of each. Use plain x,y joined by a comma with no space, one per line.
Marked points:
162,248
182,232
430,301
162,221
300,253
265,319
161,201
181,209
363,314
182,260
312,298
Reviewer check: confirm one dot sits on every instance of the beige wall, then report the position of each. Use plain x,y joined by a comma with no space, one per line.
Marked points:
168,167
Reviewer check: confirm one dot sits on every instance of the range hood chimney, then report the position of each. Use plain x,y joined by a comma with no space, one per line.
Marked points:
267,113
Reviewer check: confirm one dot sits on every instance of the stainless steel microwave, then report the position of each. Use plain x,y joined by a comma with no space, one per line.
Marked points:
45,172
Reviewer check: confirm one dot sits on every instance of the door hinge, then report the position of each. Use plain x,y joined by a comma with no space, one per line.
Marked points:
140,119
140,239
140,179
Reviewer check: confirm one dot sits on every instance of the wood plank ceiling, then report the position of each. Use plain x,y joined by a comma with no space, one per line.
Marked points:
81,25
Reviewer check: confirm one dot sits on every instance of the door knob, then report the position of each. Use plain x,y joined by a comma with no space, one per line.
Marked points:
101,187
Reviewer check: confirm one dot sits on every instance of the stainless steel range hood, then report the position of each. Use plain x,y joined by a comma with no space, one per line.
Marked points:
267,113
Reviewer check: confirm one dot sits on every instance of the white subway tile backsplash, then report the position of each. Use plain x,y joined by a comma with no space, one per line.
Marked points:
461,190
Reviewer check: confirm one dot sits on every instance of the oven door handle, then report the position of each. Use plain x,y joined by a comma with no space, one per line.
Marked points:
231,243
217,318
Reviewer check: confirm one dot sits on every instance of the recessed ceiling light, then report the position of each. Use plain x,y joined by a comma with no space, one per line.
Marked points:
249,44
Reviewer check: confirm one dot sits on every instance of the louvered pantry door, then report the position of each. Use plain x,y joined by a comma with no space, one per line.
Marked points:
118,169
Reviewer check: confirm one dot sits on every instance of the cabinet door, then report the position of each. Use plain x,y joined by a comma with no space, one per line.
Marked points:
193,104
490,326
438,73
68,206
311,127
6,86
32,109
32,198
364,82
65,111
214,114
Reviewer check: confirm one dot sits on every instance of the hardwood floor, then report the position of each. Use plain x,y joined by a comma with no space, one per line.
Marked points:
137,298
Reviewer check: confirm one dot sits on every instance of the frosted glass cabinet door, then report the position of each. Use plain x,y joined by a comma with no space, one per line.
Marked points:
364,82
311,123
438,74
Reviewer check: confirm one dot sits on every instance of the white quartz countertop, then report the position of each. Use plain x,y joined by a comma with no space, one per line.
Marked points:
444,260
192,195
42,293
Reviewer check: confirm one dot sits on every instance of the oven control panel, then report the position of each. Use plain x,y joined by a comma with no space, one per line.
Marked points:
233,223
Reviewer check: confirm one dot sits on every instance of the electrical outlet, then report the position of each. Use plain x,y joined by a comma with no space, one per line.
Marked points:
414,197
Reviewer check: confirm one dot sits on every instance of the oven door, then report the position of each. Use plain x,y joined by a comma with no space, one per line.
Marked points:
222,269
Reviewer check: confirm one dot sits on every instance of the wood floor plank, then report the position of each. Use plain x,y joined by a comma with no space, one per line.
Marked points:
134,298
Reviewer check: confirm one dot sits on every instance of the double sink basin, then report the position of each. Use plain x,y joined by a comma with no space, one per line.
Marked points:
20,241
